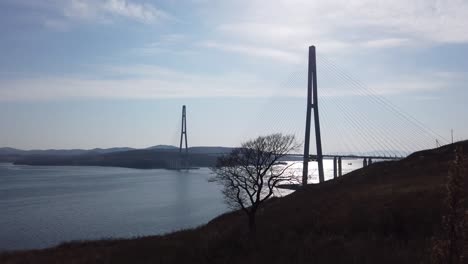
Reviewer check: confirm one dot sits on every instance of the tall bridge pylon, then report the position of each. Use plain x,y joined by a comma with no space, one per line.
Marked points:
312,104
183,132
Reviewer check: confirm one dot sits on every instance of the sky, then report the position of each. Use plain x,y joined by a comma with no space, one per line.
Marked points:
108,73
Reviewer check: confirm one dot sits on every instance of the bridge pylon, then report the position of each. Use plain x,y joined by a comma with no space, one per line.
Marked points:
183,132
312,103
183,161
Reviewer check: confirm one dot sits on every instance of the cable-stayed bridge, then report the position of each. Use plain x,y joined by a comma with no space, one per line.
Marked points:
344,120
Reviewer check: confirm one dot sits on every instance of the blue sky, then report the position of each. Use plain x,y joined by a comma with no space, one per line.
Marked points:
105,73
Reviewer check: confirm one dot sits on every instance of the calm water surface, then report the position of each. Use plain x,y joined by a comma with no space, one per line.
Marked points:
44,206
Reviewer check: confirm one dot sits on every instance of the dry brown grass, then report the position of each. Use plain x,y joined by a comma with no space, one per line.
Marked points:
448,246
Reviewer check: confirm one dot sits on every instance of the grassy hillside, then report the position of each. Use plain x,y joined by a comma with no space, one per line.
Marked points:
385,213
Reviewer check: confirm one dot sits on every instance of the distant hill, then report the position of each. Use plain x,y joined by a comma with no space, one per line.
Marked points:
160,156
59,152
10,151
109,150
210,150
12,154
140,159
165,147
201,149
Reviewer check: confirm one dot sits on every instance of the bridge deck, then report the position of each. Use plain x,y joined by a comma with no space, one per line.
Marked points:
314,157
359,157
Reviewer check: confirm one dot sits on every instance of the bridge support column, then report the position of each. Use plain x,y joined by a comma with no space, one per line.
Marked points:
369,162
340,171
364,162
335,173
183,132
312,103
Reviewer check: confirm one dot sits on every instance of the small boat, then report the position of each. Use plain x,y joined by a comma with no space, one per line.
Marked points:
350,163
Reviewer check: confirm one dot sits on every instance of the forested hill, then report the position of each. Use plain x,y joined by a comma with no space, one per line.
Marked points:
155,157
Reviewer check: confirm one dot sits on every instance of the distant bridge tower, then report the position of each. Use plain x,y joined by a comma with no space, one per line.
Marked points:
183,132
312,103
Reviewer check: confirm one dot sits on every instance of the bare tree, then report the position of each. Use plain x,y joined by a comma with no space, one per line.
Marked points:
250,174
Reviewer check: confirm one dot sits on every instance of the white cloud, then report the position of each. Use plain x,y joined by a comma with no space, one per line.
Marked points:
62,14
384,43
166,44
279,31
146,81
105,10
255,51
141,82
80,9
289,26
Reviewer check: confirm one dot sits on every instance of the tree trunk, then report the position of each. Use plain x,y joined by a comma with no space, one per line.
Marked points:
252,224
